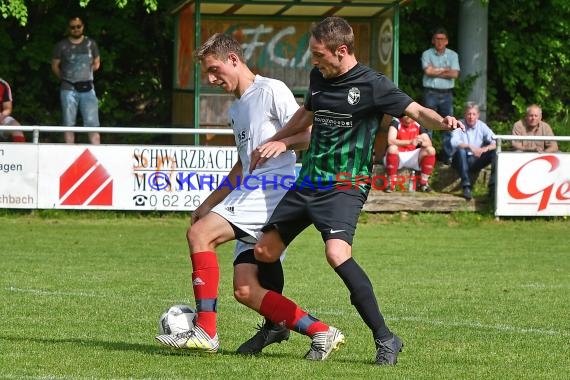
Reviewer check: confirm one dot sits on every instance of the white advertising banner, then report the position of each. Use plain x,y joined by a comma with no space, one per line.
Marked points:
18,175
533,184
130,177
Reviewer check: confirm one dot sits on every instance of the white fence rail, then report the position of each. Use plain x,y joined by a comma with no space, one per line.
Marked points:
36,129
500,138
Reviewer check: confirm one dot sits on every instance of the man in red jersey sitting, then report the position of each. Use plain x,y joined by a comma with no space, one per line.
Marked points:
408,147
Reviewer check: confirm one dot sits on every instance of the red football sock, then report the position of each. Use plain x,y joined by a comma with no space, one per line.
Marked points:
19,139
392,163
281,310
205,280
426,165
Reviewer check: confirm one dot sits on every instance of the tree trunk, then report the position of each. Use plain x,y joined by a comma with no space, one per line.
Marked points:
472,49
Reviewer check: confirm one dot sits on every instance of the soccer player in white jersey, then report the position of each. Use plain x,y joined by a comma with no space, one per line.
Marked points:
240,206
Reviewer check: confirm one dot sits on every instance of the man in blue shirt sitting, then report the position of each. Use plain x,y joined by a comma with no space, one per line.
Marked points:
474,149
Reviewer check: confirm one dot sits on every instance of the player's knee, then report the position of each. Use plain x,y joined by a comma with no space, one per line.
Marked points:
190,235
262,253
392,149
194,236
242,294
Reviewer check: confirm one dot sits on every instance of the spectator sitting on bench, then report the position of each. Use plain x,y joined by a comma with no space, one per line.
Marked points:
474,149
409,146
532,125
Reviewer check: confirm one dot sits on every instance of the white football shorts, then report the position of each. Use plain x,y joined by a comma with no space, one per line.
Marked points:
409,159
249,210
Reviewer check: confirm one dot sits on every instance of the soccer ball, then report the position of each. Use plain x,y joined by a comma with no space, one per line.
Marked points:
176,319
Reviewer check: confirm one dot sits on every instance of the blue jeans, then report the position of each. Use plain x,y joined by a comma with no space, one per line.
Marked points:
87,104
464,163
442,103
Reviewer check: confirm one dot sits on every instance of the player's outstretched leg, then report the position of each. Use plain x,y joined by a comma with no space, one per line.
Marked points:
268,333
194,339
324,343
270,276
325,338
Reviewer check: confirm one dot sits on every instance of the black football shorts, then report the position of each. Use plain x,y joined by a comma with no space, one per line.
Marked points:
333,212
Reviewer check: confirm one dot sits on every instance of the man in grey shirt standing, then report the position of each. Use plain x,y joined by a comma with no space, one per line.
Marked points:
74,60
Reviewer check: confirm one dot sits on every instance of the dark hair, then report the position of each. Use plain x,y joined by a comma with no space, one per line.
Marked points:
440,30
333,32
75,16
220,45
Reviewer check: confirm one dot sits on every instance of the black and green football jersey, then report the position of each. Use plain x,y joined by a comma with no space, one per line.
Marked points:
347,111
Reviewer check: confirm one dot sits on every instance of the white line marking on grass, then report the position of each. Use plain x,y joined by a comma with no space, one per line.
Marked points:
58,377
544,286
470,325
482,326
40,292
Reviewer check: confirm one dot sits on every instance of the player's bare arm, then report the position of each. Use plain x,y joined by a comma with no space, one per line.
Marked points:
217,195
299,122
272,149
297,131
431,119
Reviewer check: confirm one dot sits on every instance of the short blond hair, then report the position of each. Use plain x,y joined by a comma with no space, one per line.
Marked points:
221,46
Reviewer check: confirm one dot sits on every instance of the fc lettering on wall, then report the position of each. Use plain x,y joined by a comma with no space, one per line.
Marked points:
277,49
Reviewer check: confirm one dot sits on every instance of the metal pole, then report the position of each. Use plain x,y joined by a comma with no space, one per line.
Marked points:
197,83
396,63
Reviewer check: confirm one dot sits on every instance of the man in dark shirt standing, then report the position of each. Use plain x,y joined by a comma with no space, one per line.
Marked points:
74,60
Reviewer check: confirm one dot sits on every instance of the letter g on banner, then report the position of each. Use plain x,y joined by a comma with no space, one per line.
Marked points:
516,193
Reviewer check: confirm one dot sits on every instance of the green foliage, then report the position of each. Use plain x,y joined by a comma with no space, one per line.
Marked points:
134,81
528,52
529,45
16,9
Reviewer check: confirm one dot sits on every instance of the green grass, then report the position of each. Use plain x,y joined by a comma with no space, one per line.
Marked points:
473,298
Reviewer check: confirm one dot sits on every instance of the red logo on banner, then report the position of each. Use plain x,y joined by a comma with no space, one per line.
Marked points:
86,182
551,193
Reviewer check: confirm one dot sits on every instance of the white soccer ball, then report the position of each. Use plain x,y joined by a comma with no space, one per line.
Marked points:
176,319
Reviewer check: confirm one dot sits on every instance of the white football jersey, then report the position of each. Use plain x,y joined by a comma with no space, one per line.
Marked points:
263,109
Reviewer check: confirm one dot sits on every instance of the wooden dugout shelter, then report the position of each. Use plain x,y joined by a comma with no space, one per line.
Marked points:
274,36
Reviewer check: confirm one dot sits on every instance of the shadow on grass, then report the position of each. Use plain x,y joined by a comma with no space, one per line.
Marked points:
108,345
159,350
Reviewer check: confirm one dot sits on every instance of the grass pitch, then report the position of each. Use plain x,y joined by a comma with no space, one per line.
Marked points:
472,298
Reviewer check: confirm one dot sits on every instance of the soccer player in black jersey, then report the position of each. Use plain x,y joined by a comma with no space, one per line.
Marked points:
346,103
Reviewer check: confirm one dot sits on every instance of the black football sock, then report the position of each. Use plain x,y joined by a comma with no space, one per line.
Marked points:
363,298
270,276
